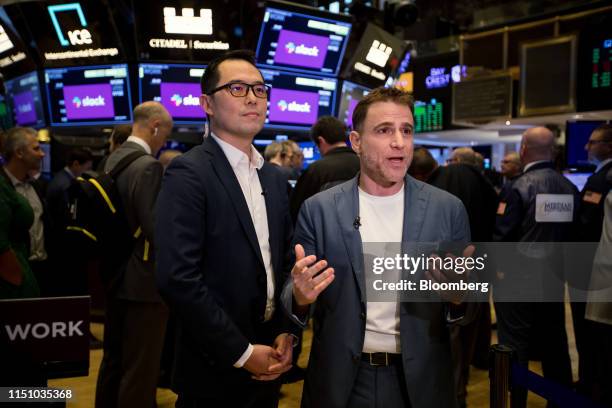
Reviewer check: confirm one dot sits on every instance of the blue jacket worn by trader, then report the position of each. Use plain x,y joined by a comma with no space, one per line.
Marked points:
326,229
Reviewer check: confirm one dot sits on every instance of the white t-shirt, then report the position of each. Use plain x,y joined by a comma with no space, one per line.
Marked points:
382,219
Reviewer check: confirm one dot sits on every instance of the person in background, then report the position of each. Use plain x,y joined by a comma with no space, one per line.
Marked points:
511,169
24,156
68,267
135,312
523,325
297,158
339,162
589,229
280,154
117,137
167,156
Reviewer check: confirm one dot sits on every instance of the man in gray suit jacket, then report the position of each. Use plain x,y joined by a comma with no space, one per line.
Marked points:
135,313
367,353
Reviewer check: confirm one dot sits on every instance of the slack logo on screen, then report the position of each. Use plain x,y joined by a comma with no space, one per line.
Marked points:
293,106
188,100
88,101
302,49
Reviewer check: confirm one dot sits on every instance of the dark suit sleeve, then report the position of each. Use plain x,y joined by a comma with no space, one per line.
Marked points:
180,242
144,190
508,223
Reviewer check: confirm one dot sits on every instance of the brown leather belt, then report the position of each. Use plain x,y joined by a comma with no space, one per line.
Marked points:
381,359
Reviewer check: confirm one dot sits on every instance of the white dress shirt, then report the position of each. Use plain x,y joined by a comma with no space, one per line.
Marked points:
245,168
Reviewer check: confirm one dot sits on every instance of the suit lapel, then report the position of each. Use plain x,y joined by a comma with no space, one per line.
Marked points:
229,181
347,207
415,206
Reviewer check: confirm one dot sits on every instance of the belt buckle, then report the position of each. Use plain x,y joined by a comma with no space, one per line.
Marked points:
372,363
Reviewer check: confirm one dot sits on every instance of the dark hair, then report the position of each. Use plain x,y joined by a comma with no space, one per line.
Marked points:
379,95
423,163
120,134
78,154
606,132
330,129
210,79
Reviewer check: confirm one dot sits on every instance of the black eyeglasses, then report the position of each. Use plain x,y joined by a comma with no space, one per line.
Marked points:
241,89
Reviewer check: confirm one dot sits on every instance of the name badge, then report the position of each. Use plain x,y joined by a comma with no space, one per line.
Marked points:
554,208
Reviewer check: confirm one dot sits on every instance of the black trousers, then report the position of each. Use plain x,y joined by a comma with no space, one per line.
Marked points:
133,341
379,386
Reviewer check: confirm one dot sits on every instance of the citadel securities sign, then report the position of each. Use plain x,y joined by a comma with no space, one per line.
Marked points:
89,101
302,50
295,107
182,99
25,113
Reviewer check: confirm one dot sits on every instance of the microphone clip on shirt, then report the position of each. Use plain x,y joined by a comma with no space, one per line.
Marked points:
357,223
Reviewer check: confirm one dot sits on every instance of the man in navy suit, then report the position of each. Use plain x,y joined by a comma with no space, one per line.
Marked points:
368,353
223,240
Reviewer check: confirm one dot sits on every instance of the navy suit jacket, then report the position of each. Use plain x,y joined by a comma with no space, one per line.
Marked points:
210,269
326,229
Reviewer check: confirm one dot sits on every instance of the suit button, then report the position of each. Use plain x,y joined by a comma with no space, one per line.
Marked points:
363,316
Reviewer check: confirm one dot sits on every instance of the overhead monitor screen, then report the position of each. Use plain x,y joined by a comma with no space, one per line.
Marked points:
351,95
177,87
375,57
428,116
296,101
302,39
595,65
89,95
24,97
14,59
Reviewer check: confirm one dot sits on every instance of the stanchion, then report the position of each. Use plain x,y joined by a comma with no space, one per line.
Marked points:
500,362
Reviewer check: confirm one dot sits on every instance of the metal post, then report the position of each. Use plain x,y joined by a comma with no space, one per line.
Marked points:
500,359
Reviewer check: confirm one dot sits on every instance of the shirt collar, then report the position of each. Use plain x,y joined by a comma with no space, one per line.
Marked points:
235,155
140,142
70,173
16,182
603,164
530,165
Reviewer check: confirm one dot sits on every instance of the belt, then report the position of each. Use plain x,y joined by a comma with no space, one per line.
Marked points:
381,359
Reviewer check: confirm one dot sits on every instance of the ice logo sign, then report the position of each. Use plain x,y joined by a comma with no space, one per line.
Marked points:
75,37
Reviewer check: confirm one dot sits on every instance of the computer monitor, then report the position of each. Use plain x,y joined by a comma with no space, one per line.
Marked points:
297,38
96,95
24,97
351,95
297,100
176,86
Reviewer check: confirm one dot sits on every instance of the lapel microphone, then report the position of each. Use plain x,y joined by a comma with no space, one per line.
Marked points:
357,223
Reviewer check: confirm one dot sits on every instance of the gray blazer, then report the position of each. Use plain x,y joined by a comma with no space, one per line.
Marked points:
325,228
138,187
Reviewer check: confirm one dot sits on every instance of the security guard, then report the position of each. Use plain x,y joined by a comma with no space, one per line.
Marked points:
541,207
